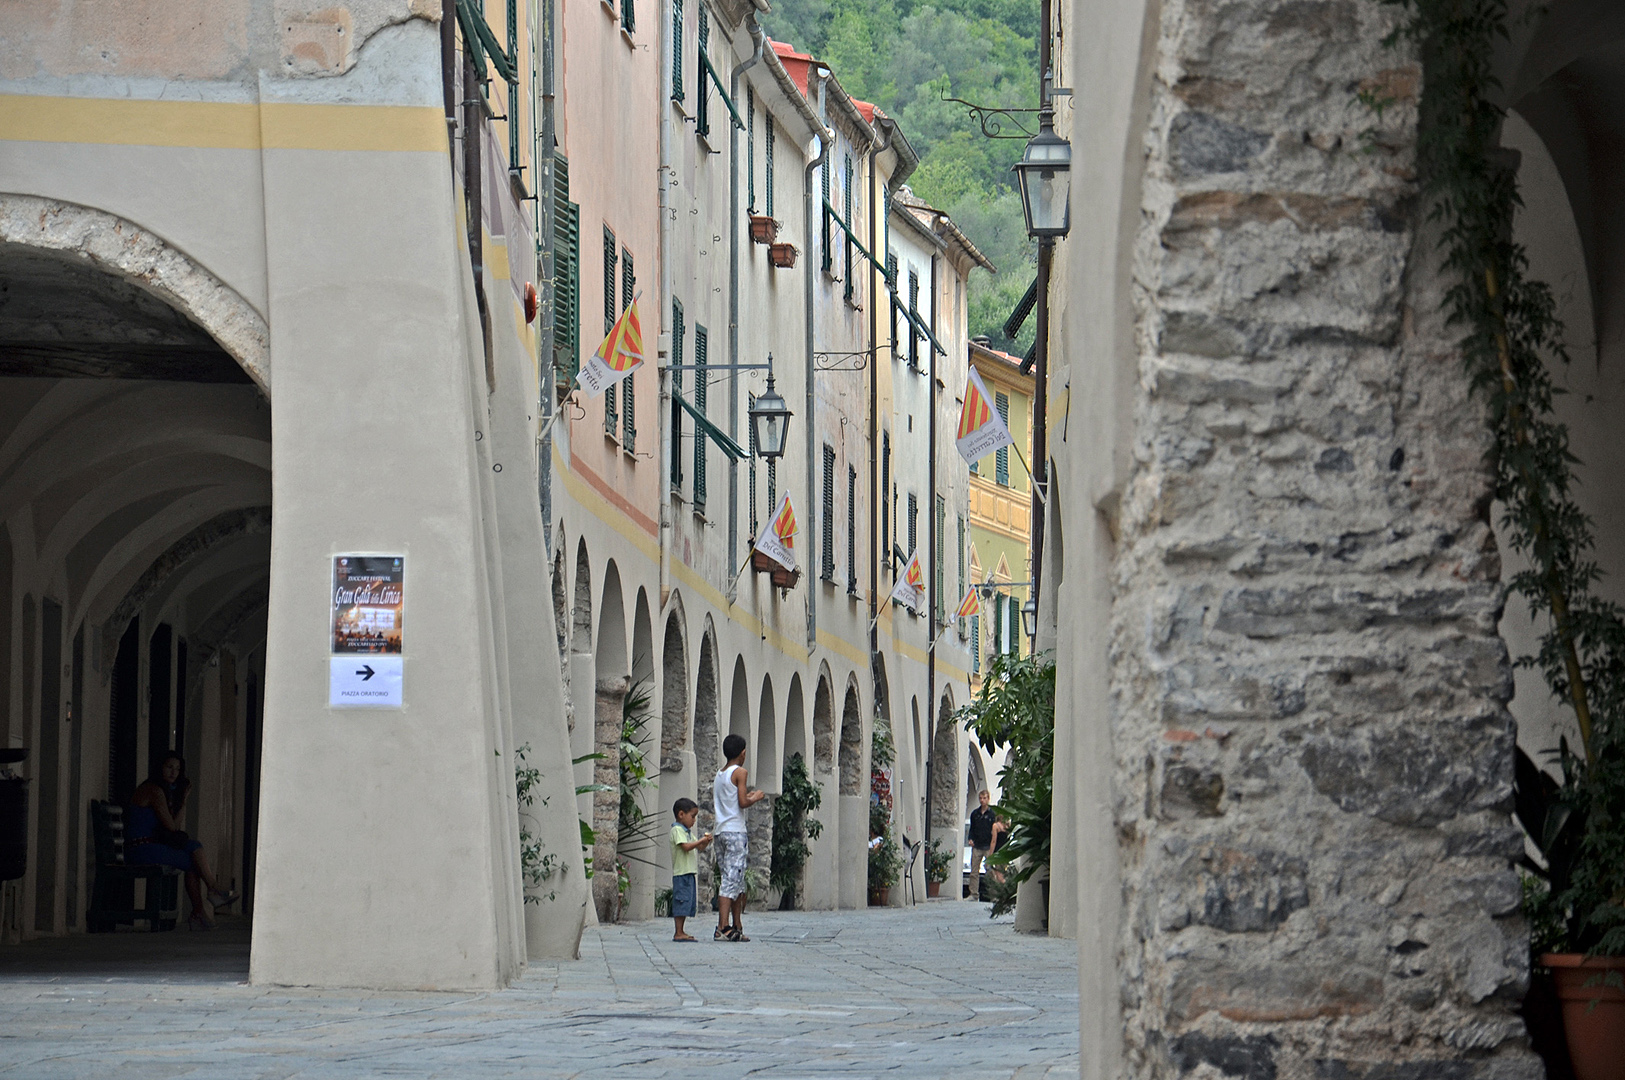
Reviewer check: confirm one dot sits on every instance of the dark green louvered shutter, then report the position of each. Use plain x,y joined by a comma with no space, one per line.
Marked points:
629,423
851,530
891,274
701,348
611,414
914,310
1001,459
913,523
566,275
750,149
767,159
750,403
885,501
702,89
677,50
940,560
827,531
677,388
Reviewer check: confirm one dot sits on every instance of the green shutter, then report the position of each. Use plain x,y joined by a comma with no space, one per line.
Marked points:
750,148
629,425
885,503
914,310
846,204
913,523
827,530
677,385
611,415
629,16
851,530
941,563
677,50
566,274
1001,469
767,160
750,403
702,89
891,274
826,255
702,345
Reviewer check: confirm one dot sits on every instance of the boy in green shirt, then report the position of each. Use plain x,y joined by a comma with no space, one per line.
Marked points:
685,864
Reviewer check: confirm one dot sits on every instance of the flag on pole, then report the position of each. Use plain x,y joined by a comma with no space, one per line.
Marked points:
910,591
981,429
618,356
971,605
778,539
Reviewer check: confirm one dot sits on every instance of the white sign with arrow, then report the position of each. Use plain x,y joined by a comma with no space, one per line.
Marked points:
364,680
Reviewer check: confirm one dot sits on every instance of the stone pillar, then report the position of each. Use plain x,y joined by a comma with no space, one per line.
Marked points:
1314,752
606,805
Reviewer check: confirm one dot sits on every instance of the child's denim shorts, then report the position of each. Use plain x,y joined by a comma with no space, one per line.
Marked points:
684,903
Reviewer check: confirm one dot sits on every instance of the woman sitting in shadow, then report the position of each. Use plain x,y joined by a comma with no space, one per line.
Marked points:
152,838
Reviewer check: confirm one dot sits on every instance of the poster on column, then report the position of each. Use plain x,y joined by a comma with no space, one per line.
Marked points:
369,605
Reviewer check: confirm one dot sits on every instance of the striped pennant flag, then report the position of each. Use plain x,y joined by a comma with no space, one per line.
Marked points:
778,539
981,429
618,356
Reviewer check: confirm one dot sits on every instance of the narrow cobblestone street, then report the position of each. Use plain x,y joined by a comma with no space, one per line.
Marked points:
937,990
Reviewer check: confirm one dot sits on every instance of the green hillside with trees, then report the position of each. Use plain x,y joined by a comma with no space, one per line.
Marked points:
906,57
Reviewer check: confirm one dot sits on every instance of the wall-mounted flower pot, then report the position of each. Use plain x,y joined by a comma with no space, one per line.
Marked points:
1593,1016
786,579
763,229
782,256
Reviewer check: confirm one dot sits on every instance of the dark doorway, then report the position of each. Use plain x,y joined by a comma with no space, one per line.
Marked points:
49,768
159,732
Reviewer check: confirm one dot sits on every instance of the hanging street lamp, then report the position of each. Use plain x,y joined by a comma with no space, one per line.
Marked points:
1029,619
1045,175
770,420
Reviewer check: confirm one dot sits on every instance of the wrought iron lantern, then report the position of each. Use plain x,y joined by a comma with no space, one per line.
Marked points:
1045,175
770,421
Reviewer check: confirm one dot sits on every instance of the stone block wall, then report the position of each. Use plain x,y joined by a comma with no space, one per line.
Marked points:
1313,743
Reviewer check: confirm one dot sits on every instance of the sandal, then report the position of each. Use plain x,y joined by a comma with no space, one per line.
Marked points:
722,934
736,934
684,937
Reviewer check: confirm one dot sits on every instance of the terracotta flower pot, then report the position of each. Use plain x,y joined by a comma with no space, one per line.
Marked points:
782,256
1595,1032
763,229
933,888
878,897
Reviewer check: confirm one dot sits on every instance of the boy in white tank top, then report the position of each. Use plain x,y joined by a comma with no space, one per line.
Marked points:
729,799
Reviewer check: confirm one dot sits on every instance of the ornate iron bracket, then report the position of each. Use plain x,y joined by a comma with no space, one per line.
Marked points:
992,120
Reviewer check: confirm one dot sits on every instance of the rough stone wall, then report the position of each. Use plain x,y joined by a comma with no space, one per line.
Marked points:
1314,748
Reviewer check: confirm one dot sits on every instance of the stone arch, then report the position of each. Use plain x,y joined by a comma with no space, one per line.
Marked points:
795,721
561,623
852,748
919,744
674,735
126,250
739,722
824,722
707,709
945,769
611,679
768,766
976,776
581,608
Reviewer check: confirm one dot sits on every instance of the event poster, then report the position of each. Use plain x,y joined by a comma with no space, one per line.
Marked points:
369,594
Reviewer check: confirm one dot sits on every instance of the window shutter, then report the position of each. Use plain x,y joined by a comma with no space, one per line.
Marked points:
827,526
940,560
976,644
767,161
891,273
629,16
914,310
755,527
677,50
629,285
1001,470
851,530
611,414
959,592
701,348
772,484
824,179
846,207
702,89
885,502
677,386
750,149
566,274
913,522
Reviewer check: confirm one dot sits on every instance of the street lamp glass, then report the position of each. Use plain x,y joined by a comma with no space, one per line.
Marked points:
1029,617
770,422
1045,175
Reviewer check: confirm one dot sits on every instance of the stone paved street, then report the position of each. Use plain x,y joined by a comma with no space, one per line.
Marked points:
936,991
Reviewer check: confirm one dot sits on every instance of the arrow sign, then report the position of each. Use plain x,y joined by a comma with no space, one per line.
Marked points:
350,686
365,671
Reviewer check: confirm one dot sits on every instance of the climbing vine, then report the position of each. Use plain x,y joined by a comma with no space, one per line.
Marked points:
1512,340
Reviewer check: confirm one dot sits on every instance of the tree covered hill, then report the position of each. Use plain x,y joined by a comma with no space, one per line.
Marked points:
906,57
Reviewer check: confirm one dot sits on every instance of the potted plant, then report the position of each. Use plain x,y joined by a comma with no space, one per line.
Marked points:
793,827
782,256
885,863
938,865
763,229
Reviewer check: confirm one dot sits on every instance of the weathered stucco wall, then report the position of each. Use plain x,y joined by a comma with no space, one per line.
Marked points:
1313,749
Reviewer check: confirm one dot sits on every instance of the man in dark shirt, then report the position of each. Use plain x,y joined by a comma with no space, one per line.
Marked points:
981,842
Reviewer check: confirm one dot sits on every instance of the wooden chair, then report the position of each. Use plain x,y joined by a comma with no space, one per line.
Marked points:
112,896
913,848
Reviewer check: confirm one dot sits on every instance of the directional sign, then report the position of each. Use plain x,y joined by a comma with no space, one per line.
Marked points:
362,681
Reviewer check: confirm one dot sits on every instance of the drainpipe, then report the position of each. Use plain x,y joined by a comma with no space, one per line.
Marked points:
758,42
877,210
825,139
668,179
931,542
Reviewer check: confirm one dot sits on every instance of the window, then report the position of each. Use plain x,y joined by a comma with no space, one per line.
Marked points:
913,522
566,274
767,159
998,624
828,256
826,570
629,285
891,274
750,149
941,560
885,502
702,346
677,388
846,208
702,89
611,414
677,50
914,310
976,644
1001,459
629,17
959,592
851,530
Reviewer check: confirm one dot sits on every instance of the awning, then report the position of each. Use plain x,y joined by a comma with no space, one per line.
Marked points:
710,430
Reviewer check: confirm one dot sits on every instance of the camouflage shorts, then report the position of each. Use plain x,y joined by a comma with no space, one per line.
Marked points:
732,850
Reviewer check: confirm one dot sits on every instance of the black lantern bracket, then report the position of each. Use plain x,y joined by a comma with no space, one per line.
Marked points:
993,120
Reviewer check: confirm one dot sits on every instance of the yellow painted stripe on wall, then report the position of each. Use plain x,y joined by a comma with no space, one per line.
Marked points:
221,125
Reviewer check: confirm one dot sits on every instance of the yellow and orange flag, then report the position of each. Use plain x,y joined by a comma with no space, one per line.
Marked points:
778,539
971,605
910,590
618,356
981,429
